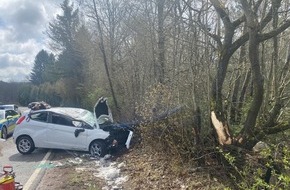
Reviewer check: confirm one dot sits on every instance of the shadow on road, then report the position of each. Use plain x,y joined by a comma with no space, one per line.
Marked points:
35,156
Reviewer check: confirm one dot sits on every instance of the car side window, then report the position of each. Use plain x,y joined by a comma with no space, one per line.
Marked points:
40,116
60,120
11,112
6,114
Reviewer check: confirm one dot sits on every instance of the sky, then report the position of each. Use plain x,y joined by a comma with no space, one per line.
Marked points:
23,25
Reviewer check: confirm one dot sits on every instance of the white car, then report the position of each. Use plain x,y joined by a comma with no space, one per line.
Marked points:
66,128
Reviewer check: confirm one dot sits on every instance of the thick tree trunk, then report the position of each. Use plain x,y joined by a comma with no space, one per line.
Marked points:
258,81
223,62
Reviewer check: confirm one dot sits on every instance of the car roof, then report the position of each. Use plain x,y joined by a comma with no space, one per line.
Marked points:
9,106
76,113
4,105
3,110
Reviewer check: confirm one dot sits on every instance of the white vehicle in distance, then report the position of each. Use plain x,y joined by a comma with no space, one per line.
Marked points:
66,128
9,107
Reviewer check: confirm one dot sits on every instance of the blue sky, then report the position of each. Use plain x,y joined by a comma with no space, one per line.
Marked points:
22,35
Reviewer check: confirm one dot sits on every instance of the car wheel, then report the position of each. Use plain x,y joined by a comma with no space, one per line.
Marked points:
25,145
4,134
97,149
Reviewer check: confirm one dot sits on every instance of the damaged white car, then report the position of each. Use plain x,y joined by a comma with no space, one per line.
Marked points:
71,129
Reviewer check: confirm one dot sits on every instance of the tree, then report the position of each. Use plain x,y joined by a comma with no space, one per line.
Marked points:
252,130
63,29
69,66
41,63
109,25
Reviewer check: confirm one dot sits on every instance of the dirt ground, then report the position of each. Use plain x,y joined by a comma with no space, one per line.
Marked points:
65,171
142,171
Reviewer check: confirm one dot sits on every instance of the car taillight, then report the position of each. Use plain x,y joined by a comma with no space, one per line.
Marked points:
20,120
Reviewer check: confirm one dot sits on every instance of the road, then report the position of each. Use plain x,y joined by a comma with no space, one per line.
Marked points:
23,165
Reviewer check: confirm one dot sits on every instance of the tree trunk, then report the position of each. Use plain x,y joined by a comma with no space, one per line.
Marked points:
252,24
102,48
161,42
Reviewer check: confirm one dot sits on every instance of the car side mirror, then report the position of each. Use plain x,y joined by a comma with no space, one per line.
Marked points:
9,117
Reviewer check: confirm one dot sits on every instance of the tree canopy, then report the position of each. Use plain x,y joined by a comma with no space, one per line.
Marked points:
42,64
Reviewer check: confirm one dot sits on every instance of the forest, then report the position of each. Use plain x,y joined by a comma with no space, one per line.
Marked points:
219,69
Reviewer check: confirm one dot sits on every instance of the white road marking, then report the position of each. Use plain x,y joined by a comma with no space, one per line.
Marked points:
36,172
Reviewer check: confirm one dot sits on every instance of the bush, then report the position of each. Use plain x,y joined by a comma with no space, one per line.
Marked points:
269,169
167,127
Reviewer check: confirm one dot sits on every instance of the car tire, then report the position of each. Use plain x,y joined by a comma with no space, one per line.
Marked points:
97,149
4,133
25,145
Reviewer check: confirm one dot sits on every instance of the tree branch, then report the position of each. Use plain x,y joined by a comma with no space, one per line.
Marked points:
278,128
204,27
239,42
275,32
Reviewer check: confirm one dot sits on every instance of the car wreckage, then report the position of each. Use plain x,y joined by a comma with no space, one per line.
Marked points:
70,128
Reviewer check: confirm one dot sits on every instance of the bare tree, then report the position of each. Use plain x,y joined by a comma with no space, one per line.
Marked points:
103,51
227,47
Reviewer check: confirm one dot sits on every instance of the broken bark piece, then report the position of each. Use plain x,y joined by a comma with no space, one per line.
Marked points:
222,130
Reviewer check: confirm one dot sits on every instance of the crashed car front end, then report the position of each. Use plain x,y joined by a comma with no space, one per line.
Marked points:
120,134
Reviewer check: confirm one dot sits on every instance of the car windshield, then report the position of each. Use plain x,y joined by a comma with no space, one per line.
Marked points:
2,114
89,118
9,107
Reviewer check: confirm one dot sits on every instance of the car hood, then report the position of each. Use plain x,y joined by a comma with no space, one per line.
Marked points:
103,112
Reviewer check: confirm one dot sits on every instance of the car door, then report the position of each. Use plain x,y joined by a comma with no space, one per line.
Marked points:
62,133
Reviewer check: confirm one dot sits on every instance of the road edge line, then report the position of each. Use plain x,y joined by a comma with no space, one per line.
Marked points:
36,172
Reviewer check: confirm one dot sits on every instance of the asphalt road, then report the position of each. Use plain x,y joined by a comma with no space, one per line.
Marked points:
23,165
